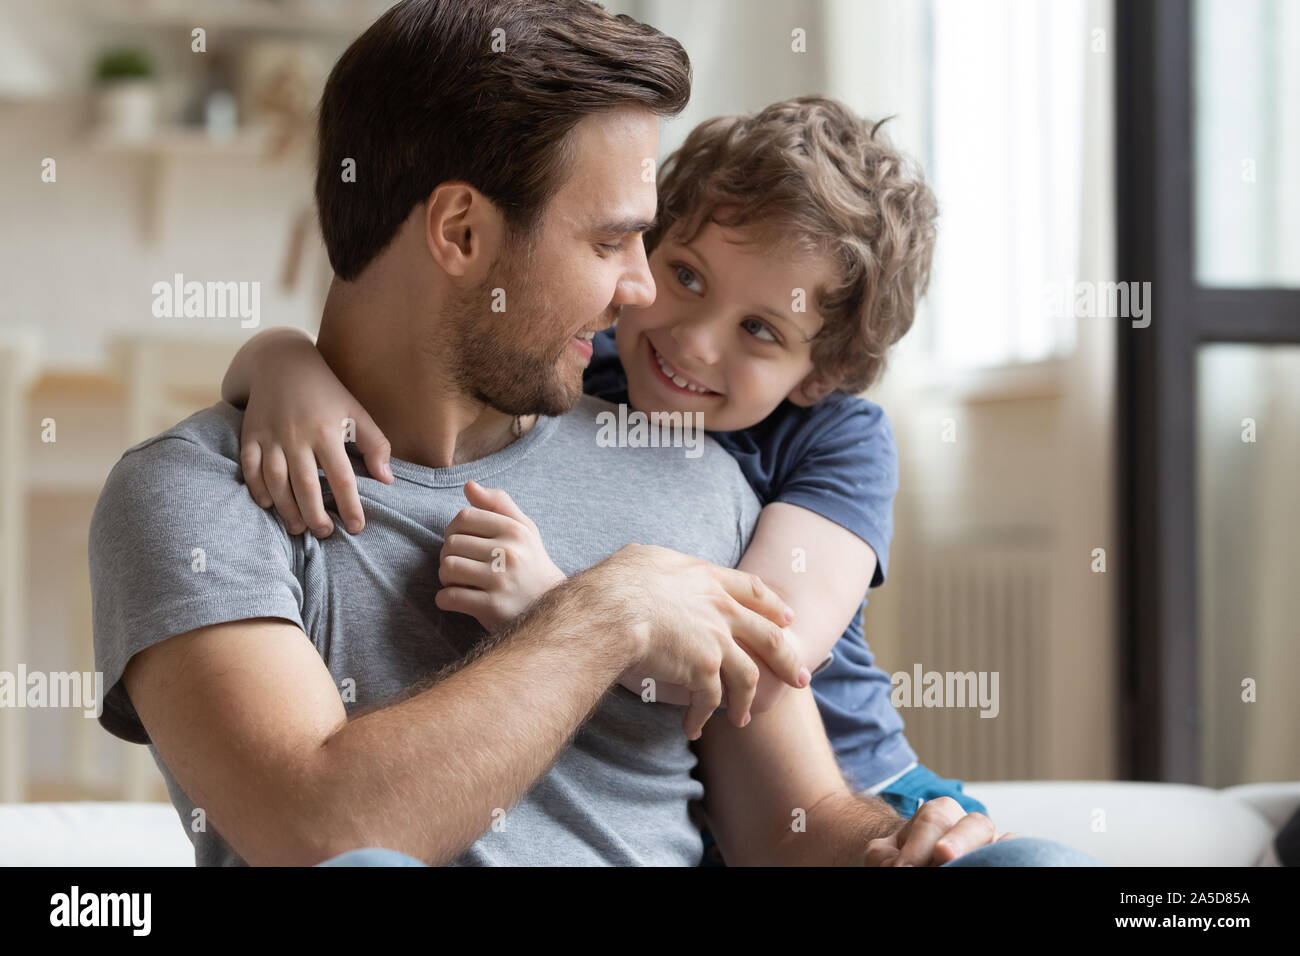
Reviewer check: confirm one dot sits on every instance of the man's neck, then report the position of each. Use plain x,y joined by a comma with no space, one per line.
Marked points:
380,350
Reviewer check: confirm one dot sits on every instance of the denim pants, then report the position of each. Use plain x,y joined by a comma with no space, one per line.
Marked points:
1017,851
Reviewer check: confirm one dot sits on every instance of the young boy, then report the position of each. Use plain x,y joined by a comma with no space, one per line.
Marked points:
788,254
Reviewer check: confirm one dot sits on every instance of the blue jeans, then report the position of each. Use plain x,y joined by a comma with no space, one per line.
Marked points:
1018,851
373,856
1025,851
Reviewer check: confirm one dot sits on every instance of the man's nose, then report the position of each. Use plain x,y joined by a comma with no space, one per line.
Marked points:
636,287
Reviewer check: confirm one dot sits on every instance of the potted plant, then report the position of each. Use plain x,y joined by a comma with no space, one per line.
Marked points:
127,93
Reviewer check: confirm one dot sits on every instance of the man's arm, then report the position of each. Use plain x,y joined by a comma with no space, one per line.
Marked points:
774,794
247,718
249,721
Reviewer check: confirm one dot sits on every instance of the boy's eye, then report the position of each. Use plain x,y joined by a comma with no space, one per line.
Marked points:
762,327
679,271
611,248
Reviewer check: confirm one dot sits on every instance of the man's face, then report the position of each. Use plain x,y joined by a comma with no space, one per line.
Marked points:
585,261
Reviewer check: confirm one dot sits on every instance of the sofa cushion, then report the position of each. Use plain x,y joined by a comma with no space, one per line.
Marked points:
1134,824
92,834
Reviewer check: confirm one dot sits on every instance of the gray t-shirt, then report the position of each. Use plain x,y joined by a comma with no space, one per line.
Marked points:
177,543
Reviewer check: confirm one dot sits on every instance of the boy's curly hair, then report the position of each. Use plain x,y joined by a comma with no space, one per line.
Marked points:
806,175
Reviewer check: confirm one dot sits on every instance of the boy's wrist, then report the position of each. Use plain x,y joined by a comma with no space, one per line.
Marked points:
274,348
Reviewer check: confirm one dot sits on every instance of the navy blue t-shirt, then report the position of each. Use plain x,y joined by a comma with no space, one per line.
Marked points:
836,458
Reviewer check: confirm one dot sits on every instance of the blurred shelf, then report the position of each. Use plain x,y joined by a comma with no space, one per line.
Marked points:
79,382
341,19
183,141
168,147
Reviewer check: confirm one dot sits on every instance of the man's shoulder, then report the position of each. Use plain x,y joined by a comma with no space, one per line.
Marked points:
214,429
177,543
162,481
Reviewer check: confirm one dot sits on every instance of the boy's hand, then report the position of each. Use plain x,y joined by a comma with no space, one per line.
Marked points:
938,833
493,564
298,419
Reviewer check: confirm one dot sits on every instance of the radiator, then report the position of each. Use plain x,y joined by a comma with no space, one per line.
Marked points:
982,610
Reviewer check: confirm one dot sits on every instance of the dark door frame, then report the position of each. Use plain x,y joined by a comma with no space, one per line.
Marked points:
1160,700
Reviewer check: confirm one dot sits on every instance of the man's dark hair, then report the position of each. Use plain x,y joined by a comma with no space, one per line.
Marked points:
479,91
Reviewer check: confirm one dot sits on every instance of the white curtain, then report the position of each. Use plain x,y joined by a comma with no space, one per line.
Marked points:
1007,147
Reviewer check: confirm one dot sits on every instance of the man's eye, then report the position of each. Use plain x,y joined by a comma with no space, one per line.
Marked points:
679,271
612,249
762,327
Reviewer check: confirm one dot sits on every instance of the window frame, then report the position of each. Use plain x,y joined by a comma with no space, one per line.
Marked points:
1160,735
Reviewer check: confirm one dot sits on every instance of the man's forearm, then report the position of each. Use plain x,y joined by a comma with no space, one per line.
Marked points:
838,829
775,796
430,774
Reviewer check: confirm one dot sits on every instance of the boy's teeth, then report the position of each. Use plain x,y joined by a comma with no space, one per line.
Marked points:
676,378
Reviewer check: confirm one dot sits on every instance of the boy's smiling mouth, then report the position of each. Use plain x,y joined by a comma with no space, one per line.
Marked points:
673,378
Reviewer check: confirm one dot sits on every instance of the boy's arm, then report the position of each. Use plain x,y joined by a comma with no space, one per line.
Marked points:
298,418
239,376
821,569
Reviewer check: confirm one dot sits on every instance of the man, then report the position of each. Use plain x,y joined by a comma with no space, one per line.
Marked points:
305,698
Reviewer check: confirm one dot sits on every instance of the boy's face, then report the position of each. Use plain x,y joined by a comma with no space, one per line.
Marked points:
722,336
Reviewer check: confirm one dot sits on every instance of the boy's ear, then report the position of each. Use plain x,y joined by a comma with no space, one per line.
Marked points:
813,389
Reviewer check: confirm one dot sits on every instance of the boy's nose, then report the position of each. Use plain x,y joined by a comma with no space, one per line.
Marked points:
695,341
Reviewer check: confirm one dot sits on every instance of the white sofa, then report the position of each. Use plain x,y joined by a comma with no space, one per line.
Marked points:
1139,824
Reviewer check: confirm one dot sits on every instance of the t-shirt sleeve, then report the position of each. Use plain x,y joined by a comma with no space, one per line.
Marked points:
847,471
177,543
746,518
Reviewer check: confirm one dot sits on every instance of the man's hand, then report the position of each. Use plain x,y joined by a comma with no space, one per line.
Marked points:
938,833
699,626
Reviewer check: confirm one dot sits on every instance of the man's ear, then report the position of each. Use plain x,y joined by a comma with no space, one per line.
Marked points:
813,389
462,229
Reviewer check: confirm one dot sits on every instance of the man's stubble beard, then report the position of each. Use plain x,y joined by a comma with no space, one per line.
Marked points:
494,362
